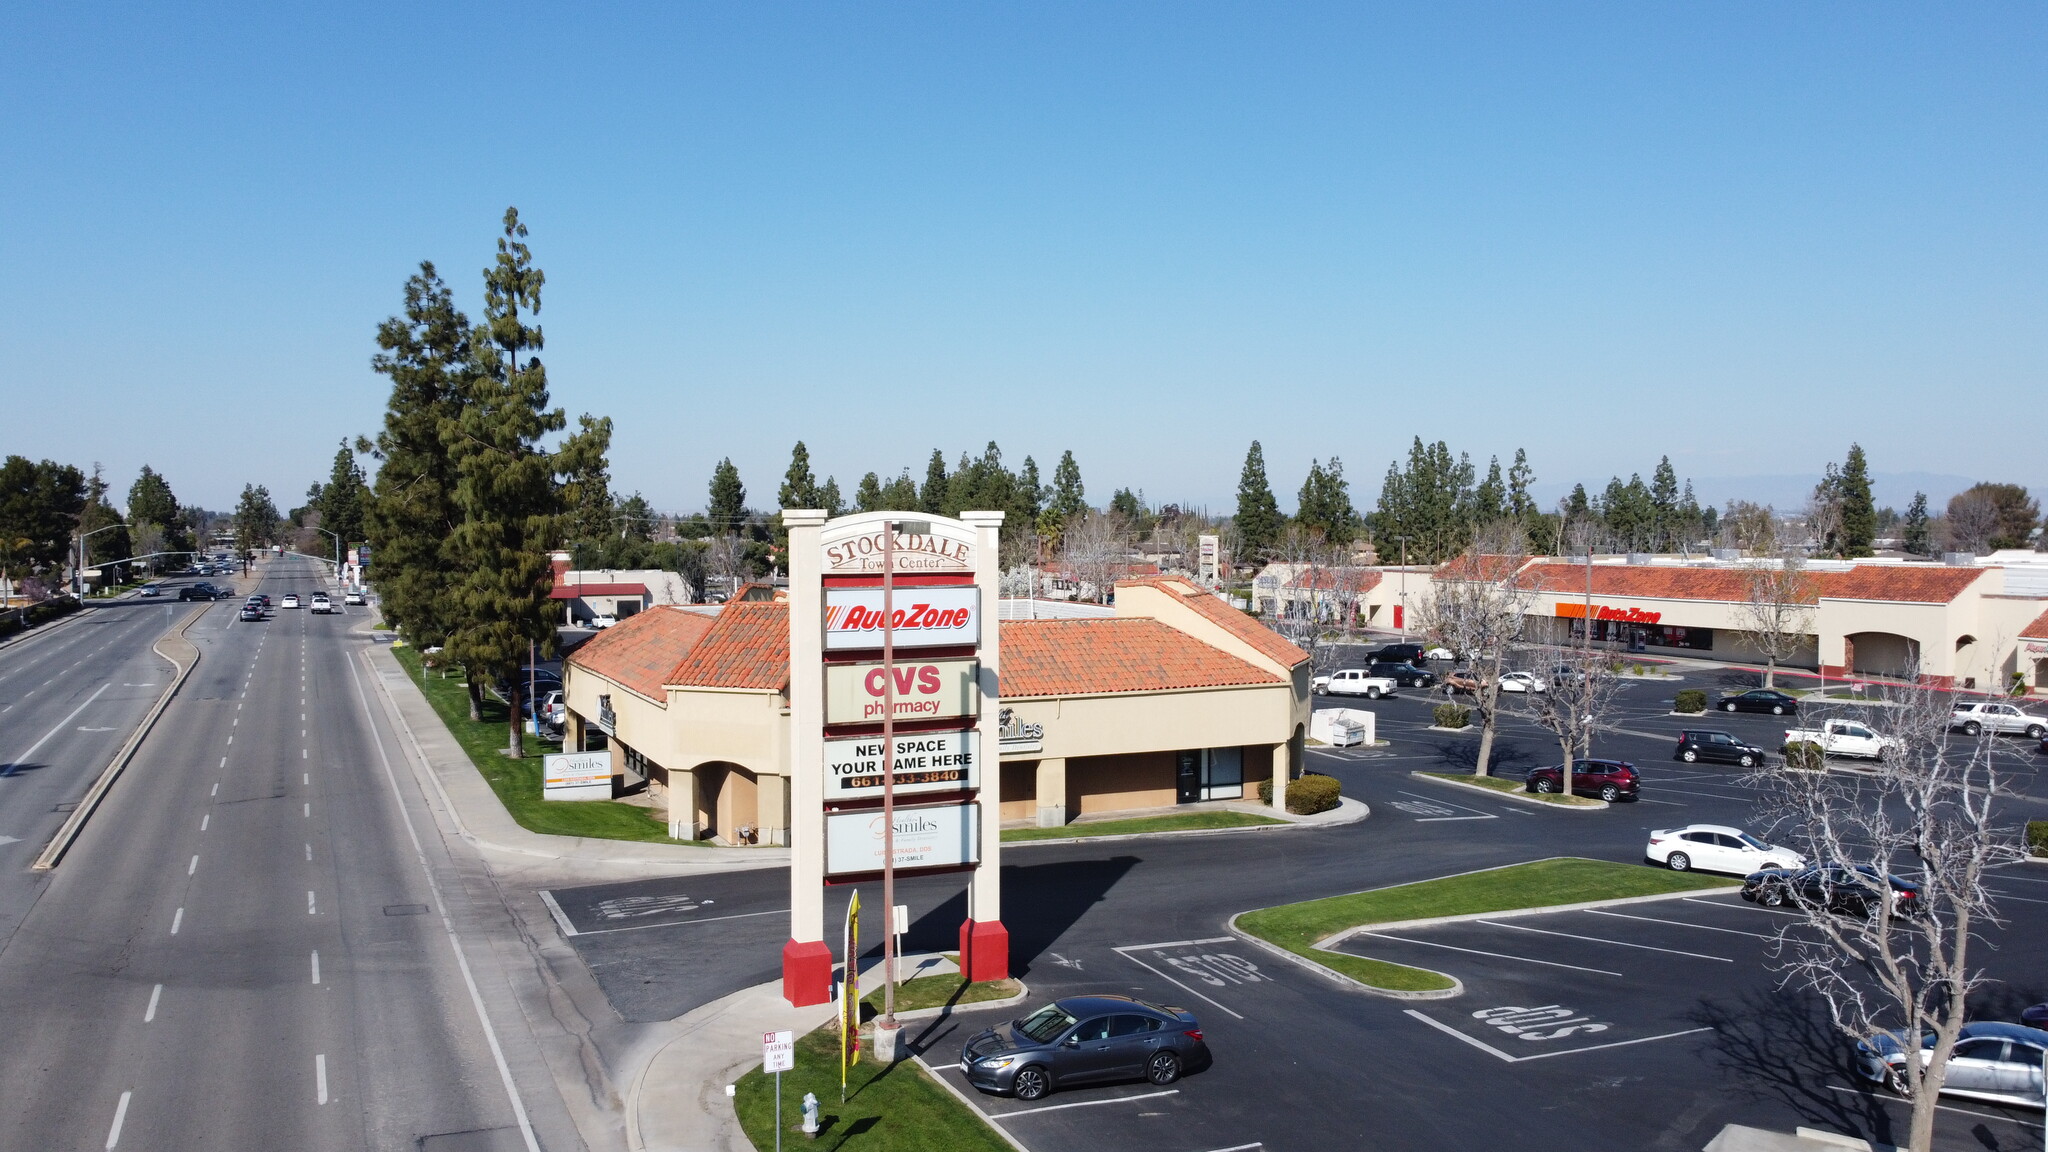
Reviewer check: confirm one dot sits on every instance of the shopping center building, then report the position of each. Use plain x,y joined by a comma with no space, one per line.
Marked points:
1173,698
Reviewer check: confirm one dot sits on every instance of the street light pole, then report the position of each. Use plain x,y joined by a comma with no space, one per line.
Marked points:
78,569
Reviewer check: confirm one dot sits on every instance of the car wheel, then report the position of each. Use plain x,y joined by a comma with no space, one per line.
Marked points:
1688,755
1678,862
1372,693
2034,731
1163,1068
1728,707
1031,1083
1773,897
1973,729
1777,709
1545,786
1609,793
1895,1080
1746,760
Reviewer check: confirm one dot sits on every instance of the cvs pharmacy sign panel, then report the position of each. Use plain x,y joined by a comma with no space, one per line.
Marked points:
925,617
925,690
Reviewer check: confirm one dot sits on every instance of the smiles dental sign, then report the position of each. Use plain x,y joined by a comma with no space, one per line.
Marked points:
925,690
938,836
924,617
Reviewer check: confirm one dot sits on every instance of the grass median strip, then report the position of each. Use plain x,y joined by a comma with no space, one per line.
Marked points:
936,991
1178,822
518,782
1500,785
888,1108
1537,884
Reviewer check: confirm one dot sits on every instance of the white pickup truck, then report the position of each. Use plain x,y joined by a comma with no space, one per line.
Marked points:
1846,738
1354,682
1987,716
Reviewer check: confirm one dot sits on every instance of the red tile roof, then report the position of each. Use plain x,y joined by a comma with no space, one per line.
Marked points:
1918,583
1913,583
1349,579
2038,630
638,651
747,647
1121,654
572,591
1262,639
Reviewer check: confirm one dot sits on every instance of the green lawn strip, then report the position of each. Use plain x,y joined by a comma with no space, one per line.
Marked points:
1500,785
1178,822
934,991
518,782
1537,884
895,1108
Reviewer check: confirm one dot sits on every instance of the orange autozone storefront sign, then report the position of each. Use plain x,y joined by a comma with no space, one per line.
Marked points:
925,690
1577,611
925,617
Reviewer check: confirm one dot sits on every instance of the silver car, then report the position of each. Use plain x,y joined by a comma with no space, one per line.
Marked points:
1991,1061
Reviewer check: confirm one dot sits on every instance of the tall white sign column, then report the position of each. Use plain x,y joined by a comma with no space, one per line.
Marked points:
806,958
984,942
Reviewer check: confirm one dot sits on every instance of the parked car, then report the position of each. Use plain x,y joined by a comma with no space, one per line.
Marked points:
1846,738
322,606
1699,744
1353,682
352,596
1991,1061
1979,717
1084,1039
1405,675
1608,779
603,620
1397,654
1760,700
1438,652
1835,887
1527,682
1717,848
1462,681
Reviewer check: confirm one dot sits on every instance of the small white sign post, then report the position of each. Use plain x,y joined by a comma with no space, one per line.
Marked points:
778,1055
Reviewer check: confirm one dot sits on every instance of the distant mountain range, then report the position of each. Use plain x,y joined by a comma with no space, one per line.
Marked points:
1789,492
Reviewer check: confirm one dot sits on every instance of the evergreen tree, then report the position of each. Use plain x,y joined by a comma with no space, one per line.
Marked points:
97,514
1576,505
1521,505
900,494
584,463
1325,503
1027,499
829,498
799,490
342,498
1067,501
636,520
1258,514
511,506
1858,511
411,515
727,510
40,506
256,519
1126,504
931,499
867,495
961,487
1490,498
1663,505
150,501
1916,535
1686,520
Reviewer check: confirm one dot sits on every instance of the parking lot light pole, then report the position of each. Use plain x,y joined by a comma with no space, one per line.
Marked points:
337,550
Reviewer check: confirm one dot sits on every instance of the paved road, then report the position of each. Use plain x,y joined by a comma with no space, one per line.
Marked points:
249,947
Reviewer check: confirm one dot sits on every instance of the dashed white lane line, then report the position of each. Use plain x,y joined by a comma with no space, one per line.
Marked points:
309,852
177,918
216,783
309,810
231,739
155,994
306,778
193,866
205,820
320,1077
120,1114
312,909
304,755
223,763
316,965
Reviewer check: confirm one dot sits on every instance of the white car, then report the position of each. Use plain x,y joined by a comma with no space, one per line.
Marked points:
1353,682
352,596
603,620
1522,682
291,600
322,606
1718,848
1439,652
1979,717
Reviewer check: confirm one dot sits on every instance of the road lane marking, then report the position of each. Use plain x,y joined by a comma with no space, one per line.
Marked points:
1495,955
120,1114
1169,979
1943,1107
177,918
216,783
193,866
309,809
205,820
223,763
316,965
306,778
1004,1117
155,994
303,755
1182,943
1681,924
311,907
61,725
309,852
320,1076
1603,940
1491,1050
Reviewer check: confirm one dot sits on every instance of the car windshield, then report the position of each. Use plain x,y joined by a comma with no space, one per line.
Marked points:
1045,1024
1752,841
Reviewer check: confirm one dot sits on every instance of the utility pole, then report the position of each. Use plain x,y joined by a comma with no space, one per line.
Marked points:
1403,629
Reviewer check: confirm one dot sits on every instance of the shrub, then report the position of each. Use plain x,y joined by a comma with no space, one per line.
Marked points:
1452,715
1805,756
1635,669
2037,837
1692,702
1306,796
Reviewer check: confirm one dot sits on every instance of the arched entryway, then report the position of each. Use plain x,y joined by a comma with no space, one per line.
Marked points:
1882,654
728,803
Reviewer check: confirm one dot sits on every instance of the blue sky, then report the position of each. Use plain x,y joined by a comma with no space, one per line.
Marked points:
1741,234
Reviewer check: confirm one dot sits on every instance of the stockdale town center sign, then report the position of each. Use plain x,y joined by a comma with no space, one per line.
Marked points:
856,550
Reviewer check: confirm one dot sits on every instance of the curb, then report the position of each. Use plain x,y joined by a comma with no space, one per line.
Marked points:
1365,811
61,843
1457,987
943,1010
1517,797
1540,910
987,1119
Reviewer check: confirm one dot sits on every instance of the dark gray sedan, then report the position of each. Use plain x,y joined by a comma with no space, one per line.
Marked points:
1084,1039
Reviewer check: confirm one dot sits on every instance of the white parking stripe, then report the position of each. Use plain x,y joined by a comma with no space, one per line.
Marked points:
1478,952
1170,980
1005,1116
1602,940
1680,924
1182,943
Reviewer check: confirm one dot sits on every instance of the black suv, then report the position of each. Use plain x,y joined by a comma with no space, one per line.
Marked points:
1404,674
191,592
1397,654
1696,744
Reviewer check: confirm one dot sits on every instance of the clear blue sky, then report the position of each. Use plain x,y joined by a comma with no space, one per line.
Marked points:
1740,233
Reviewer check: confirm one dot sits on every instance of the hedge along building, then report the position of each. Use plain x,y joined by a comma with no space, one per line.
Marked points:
1953,626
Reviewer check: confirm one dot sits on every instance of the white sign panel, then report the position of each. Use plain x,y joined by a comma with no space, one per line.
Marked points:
925,690
852,545
577,776
925,617
925,762
934,836
778,1051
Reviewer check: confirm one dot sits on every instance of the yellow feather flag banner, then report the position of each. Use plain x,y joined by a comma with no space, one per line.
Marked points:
849,996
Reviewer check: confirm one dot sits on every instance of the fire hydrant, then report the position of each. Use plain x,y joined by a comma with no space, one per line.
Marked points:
811,1115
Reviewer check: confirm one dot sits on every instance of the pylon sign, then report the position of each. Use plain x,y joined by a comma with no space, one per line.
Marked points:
939,696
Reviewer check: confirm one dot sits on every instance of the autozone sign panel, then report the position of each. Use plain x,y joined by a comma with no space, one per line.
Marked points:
1577,611
925,762
925,690
925,617
933,836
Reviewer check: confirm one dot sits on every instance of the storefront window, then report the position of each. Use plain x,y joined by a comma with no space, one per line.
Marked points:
1623,633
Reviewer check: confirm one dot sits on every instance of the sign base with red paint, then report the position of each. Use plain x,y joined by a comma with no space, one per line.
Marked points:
984,950
806,972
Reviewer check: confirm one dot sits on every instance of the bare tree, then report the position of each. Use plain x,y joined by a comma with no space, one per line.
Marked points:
1582,691
1971,522
1752,528
1927,813
1096,551
148,540
1476,611
726,557
1777,612
1304,617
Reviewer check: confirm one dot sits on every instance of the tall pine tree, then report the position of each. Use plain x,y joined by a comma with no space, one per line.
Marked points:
584,460
1258,517
727,506
1858,530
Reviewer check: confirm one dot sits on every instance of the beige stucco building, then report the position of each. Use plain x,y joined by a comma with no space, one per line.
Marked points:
1175,698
